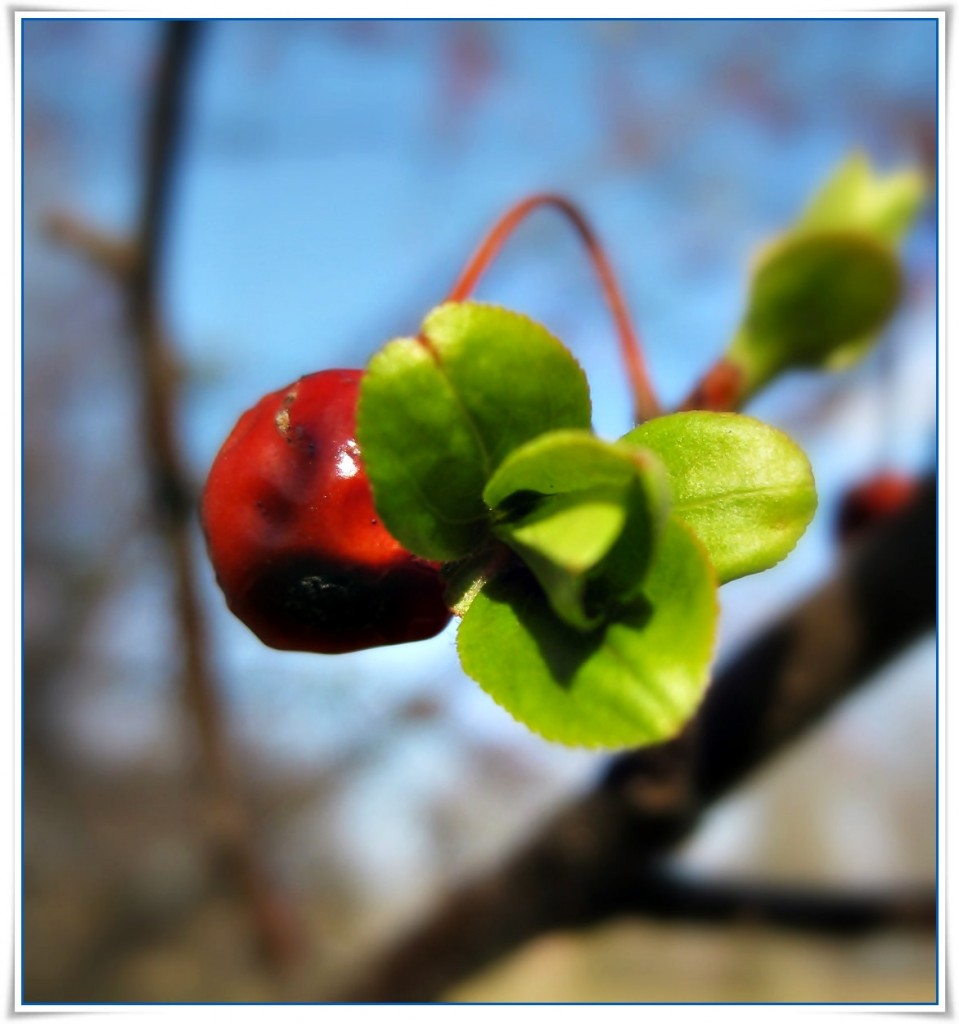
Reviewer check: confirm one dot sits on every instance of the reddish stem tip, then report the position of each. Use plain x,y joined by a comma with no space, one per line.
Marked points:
646,403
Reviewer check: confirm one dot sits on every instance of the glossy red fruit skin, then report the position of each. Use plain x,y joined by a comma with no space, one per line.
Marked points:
293,536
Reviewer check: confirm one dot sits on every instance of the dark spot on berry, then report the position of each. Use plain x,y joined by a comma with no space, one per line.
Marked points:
313,603
310,595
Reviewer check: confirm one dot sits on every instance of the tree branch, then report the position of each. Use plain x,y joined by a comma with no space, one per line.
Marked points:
664,896
583,866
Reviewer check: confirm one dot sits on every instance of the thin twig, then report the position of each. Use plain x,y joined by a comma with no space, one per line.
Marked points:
646,404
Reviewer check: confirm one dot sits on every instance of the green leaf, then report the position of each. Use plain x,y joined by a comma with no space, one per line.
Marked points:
744,488
633,682
823,290
438,414
584,515
856,198
813,294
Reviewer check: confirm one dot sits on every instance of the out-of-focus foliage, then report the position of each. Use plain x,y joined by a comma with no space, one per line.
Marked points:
822,291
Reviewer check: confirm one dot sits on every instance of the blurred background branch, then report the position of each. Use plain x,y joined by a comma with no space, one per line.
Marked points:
663,896
136,266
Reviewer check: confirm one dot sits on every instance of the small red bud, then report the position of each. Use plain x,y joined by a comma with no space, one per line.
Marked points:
293,535
868,503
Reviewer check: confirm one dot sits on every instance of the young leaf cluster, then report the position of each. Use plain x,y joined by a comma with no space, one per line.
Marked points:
585,570
821,291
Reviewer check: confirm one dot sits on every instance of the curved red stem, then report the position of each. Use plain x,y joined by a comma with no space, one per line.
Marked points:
646,403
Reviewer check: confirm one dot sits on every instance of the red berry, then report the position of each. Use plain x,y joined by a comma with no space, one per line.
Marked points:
294,538
868,503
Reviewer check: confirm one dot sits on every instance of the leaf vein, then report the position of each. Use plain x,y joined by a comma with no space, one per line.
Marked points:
746,492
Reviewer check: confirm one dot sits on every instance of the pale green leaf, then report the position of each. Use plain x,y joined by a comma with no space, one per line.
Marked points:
745,488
